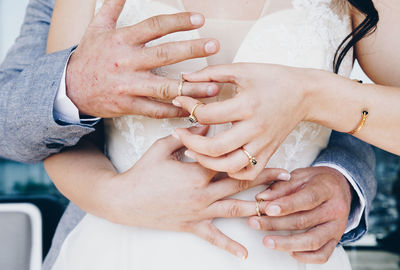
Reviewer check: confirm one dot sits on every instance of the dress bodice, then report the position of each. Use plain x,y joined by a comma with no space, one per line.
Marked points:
300,33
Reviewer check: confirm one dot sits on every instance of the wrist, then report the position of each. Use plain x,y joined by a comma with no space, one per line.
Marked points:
315,95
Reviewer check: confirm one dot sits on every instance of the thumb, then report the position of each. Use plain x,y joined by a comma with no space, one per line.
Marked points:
168,145
218,73
109,13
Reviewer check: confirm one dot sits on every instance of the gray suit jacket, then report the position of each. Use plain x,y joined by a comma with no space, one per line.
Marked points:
29,80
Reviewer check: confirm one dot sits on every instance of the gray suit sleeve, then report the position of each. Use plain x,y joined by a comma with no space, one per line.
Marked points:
358,159
29,81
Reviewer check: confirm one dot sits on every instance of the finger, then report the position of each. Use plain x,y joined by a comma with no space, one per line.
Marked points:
167,89
109,13
311,240
168,145
320,256
218,73
221,144
230,110
209,232
313,194
298,221
280,189
175,52
251,172
232,208
228,187
151,108
161,25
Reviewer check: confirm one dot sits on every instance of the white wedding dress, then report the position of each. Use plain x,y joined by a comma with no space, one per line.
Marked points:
302,33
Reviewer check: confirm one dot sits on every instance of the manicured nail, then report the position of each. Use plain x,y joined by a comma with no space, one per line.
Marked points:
175,135
273,210
211,91
210,47
240,255
254,224
197,19
176,103
189,154
284,176
269,243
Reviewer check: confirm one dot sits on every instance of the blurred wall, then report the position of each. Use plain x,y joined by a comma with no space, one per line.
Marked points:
11,17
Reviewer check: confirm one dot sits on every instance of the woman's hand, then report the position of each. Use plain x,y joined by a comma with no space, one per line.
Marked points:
163,193
269,103
316,200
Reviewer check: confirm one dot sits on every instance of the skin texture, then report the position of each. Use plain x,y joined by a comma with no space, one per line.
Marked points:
87,177
124,83
303,95
189,201
316,200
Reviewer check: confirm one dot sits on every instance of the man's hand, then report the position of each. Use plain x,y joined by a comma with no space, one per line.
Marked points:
163,193
109,73
316,200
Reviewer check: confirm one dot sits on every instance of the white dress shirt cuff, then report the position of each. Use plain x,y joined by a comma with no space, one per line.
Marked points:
64,109
358,210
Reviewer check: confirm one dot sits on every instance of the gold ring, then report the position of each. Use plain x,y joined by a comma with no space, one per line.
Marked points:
258,207
180,87
192,117
252,160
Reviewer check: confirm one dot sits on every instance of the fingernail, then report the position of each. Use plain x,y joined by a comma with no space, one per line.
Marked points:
175,135
211,47
269,243
176,103
254,224
284,176
240,255
197,19
273,210
211,90
189,154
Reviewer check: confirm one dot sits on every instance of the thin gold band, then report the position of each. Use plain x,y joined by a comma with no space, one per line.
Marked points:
180,87
362,123
258,207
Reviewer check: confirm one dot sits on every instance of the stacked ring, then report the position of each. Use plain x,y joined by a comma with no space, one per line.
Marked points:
252,160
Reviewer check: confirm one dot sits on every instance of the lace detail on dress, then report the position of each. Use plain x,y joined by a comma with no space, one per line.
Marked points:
305,36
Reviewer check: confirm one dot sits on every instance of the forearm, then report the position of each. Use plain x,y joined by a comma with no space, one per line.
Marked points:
82,175
338,102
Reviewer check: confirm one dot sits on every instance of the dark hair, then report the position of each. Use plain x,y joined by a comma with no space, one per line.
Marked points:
367,27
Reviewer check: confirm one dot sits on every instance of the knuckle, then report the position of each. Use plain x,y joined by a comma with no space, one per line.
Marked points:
315,243
163,55
155,23
162,91
158,114
301,223
243,185
234,210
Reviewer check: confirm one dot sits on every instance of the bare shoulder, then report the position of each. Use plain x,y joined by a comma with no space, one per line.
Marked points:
378,53
69,22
